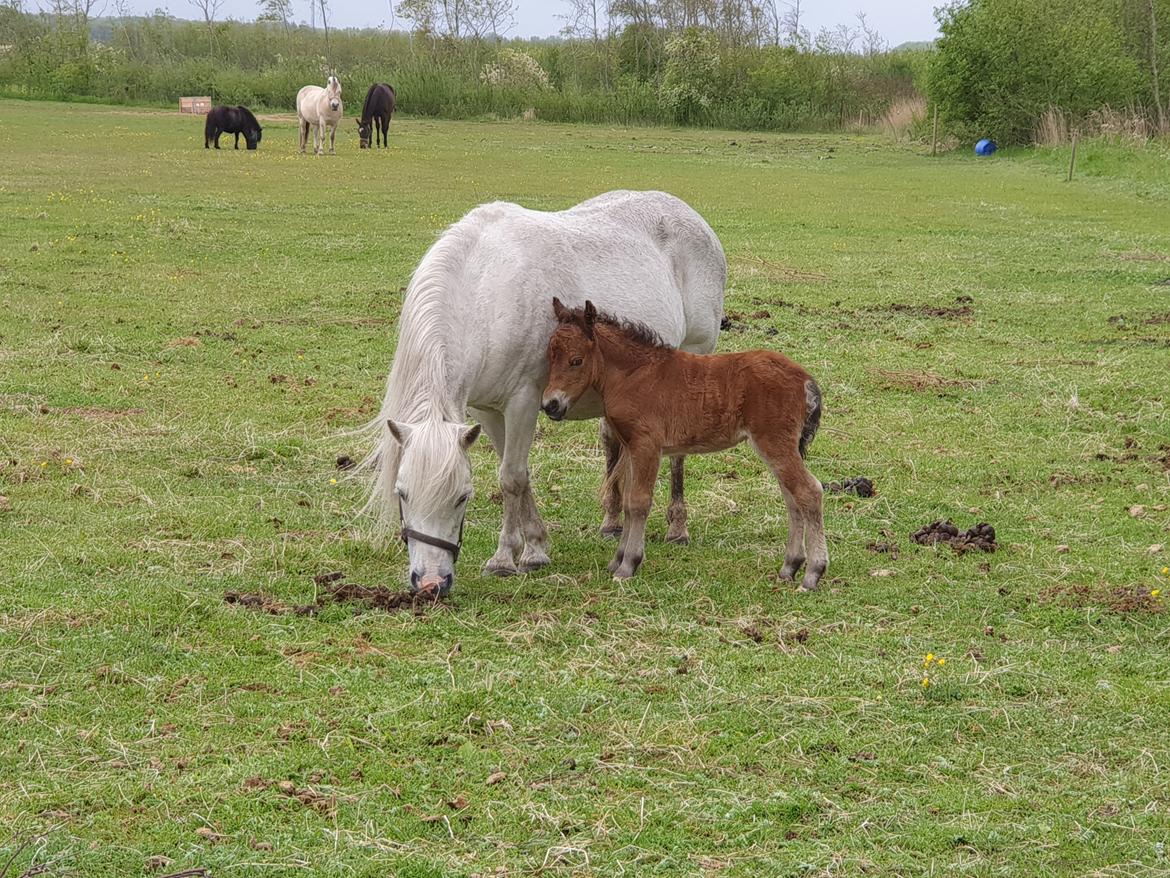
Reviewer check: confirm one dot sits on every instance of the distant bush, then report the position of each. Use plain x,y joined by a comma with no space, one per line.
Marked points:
1001,64
640,75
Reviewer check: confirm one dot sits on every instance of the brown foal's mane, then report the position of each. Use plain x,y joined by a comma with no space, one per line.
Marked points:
630,330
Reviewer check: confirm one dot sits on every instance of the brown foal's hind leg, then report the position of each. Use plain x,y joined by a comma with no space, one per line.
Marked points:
676,512
802,493
639,494
611,502
794,551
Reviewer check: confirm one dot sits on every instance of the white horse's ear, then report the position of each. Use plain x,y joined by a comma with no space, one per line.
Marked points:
469,436
399,430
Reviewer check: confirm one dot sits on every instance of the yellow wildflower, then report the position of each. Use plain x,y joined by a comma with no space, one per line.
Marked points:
925,682
1155,592
69,461
929,658
941,662
333,481
1165,570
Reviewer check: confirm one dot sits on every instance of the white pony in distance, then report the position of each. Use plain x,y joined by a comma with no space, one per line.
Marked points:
473,335
320,108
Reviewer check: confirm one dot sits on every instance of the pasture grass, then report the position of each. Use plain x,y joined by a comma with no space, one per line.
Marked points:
185,334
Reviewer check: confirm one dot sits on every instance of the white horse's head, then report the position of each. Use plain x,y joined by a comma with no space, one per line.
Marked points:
433,488
334,92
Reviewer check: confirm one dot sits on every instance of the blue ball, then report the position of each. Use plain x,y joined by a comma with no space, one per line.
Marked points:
985,147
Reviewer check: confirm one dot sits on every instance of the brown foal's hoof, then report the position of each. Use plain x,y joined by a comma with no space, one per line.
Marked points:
683,539
611,531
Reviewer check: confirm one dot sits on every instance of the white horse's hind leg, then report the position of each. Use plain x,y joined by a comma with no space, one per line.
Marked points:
522,530
332,138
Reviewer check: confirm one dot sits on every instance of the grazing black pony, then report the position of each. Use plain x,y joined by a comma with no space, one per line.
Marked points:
231,120
376,111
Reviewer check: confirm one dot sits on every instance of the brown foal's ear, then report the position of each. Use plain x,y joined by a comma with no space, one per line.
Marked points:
590,318
562,313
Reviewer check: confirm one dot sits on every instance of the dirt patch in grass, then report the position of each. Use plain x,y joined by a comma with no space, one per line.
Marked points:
981,537
777,272
1119,599
91,413
336,592
307,796
263,603
958,311
1143,256
859,485
920,381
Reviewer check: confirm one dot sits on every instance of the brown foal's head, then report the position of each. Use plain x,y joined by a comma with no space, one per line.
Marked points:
571,359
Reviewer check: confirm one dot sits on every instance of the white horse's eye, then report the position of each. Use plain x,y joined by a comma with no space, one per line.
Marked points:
401,494
463,499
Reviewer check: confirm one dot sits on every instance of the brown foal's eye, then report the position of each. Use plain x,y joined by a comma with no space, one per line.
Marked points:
576,362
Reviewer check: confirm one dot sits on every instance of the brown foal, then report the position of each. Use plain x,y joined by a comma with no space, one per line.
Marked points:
659,400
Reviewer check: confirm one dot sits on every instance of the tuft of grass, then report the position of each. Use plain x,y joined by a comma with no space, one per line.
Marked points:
989,344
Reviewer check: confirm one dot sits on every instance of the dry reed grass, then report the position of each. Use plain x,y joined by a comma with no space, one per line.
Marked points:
1130,126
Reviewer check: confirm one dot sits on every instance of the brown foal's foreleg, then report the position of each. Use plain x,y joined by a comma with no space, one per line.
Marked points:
639,494
611,501
676,512
802,495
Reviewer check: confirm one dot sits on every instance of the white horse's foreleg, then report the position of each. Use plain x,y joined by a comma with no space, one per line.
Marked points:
522,530
319,138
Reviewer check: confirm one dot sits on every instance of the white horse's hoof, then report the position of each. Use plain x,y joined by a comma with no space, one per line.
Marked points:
499,568
532,564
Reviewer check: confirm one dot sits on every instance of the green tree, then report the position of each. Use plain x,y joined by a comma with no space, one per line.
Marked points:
690,81
1001,63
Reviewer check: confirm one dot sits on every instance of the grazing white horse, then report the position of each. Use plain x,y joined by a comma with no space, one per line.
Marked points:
474,332
319,108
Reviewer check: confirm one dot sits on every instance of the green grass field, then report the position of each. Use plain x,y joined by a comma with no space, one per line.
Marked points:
185,335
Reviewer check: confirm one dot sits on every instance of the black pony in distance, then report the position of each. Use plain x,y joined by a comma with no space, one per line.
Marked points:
376,113
231,120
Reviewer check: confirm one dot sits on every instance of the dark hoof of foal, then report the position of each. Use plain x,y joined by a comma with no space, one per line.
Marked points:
812,578
790,569
611,532
679,539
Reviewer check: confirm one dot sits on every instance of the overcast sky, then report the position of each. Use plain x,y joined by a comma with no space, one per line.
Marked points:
898,21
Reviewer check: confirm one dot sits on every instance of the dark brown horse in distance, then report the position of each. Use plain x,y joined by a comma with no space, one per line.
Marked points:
231,120
659,400
376,113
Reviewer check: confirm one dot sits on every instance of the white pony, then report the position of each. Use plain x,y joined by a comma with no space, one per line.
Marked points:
473,334
320,107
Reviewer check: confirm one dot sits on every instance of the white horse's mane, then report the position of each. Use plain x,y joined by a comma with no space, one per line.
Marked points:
417,391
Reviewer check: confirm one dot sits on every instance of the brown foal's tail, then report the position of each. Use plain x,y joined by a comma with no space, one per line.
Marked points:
812,414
